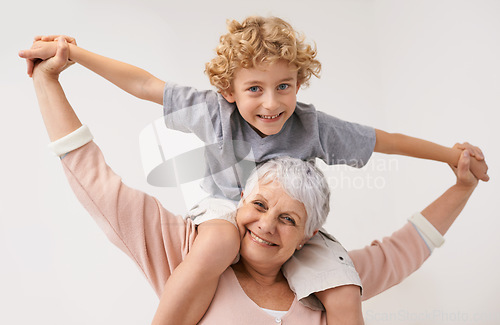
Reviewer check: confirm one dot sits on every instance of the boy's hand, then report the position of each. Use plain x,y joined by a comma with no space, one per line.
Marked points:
43,47
50,38
477,166
473,150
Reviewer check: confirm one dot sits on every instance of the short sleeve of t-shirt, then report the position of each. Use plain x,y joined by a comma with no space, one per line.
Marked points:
345,142
189,110
207,115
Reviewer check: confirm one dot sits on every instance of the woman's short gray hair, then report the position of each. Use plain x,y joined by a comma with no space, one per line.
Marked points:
303,181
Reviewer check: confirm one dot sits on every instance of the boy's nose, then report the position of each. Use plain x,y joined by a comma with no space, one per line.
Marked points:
271,102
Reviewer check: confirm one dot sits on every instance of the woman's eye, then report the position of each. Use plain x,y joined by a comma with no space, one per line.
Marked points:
254,89
283,86
288,220
259,205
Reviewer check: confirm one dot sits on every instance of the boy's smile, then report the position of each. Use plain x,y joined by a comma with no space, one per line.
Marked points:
265,96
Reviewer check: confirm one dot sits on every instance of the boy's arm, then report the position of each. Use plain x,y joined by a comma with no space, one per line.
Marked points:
400,144
133,80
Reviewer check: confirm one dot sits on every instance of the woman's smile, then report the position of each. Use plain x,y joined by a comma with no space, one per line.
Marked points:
260,240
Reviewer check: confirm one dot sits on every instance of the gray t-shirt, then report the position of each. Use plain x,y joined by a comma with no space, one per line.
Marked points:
233,148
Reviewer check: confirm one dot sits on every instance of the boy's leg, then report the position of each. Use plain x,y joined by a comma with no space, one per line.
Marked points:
323,277
190,289
342,305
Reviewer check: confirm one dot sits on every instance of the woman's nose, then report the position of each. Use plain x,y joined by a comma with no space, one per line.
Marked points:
267,223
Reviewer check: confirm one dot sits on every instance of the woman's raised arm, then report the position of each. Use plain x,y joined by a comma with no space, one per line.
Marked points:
58,115
385,264
154,238
443,212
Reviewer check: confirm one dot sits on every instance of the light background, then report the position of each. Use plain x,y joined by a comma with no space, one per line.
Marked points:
429,69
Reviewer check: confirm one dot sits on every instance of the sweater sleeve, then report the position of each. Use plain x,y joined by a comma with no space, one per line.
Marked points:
385,264
155,239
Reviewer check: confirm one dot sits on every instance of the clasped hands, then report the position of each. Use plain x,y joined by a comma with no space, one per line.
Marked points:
51,53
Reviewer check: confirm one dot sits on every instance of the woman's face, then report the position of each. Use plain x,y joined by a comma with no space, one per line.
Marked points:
271,225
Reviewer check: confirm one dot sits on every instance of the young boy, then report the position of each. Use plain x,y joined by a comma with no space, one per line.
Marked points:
259,68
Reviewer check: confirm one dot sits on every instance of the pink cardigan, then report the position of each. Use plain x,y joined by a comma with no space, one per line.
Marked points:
158,241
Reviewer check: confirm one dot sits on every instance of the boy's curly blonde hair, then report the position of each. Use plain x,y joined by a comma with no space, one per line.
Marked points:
257,41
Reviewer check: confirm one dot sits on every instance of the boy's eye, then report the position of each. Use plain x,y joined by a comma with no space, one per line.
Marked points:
283,86
254,89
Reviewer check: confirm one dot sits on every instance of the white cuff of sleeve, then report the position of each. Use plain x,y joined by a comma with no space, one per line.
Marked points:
72,141
431,235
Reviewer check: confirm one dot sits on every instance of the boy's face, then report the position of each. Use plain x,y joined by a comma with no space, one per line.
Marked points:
265,96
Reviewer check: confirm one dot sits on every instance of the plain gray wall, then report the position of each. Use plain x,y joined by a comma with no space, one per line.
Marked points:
429,69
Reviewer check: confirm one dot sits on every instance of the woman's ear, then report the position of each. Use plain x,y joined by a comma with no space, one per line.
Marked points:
304,241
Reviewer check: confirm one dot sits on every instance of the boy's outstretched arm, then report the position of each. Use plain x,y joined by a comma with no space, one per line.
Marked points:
133,80
400,144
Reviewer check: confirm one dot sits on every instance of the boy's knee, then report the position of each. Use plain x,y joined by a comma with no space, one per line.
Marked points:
222,232
343,305
218,242
342,295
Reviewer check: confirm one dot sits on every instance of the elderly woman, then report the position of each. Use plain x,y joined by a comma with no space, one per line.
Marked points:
284,203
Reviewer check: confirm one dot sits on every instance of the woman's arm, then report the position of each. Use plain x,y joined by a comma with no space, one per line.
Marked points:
154,238
385,264
443,212
58,115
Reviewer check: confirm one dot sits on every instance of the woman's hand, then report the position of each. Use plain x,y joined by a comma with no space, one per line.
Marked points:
477,165
43,48
53,66
465,178
442,212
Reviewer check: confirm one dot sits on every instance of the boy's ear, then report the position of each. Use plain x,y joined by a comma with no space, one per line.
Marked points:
228,95
298,87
